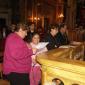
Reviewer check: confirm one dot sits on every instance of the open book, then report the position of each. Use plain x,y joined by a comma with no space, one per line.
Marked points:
41,45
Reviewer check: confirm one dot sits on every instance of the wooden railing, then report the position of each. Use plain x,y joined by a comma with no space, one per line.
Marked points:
76,35
59,64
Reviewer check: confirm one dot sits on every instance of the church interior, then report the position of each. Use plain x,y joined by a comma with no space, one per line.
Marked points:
64,64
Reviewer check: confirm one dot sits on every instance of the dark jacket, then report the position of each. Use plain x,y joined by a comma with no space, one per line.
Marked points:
52,41
62,39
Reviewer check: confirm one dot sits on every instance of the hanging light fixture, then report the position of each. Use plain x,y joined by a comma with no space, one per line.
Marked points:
61,15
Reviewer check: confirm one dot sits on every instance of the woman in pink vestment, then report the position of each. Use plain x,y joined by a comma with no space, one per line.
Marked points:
17,57
35,74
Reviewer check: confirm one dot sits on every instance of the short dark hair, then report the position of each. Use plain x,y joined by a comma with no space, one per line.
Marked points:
61,26
54,80
35,33
54,27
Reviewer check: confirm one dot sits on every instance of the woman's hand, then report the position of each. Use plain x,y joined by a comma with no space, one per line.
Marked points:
29,46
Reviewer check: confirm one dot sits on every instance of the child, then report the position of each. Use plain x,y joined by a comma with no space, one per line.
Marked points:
35,74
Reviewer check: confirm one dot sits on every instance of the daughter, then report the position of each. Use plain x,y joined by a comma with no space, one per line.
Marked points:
35,74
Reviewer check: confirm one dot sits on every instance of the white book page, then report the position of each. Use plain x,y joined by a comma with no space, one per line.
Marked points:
41,45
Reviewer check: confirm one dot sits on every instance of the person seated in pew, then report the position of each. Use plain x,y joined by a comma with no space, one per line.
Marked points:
62,35
35,74
30,32
50,37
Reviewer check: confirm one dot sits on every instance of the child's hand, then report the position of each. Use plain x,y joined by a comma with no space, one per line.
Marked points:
34,59
34,50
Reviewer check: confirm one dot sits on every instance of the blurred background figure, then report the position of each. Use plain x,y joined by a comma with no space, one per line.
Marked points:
31,31
35,74
50,37
62,35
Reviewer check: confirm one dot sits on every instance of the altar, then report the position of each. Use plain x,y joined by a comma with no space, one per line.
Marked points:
65,64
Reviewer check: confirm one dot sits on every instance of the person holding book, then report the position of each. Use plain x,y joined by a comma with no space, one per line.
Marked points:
17,57
35,74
